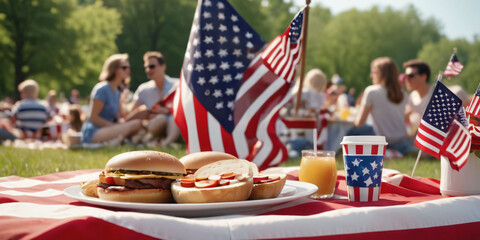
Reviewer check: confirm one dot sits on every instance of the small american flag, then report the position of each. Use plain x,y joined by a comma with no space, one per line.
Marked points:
454,67
221,105
473,107
457,145
439,114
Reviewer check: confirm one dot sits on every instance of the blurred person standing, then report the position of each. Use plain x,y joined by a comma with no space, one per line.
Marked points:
152,97
74,97
385,101
106,123
417,75
30,113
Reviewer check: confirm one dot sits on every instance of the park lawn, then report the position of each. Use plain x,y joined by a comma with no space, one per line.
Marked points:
29,163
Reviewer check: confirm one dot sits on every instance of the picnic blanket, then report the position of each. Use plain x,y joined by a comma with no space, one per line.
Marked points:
408,208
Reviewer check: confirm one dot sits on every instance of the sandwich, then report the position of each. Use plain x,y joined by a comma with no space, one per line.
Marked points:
140,176
194,161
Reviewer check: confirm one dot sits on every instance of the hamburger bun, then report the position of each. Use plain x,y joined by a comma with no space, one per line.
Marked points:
238,189
140,176
194,161
268,189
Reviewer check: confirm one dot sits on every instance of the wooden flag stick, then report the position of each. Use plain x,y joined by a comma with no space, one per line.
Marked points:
416,162
304,46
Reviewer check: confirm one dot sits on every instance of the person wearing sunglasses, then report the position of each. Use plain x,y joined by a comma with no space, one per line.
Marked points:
417,75
385,102
105,123
151,102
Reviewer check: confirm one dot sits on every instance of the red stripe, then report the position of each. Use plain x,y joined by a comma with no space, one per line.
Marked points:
299,122
358,149
432,132
374,149
356,192
384,149
201,116
251,69
370,194
228,143
180,114
345,149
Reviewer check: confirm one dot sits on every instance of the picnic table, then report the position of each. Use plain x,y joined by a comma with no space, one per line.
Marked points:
411,208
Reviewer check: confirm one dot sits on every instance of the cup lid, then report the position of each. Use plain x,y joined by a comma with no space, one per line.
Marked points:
364,140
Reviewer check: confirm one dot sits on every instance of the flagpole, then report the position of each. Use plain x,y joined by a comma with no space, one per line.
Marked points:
416,162
304,46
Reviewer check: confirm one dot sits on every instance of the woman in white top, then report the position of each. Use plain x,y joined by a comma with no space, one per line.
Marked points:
386,101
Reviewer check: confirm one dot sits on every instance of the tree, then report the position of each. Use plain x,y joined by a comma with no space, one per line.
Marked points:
351,40
32,28
438,54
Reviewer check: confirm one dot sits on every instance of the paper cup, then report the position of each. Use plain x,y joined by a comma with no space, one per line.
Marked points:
363,162
463,182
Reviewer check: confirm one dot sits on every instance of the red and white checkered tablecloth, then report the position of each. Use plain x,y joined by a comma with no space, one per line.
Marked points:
408,209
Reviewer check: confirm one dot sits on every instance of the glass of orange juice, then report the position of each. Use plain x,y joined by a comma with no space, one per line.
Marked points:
319,168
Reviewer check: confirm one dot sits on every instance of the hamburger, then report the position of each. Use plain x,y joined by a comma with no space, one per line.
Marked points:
194,161
140,176
220,181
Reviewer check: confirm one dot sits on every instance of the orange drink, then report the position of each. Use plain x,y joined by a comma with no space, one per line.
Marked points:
320,170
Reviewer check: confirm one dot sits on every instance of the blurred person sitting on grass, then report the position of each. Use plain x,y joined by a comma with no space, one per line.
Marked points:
150,103
385,101
29,114
106,123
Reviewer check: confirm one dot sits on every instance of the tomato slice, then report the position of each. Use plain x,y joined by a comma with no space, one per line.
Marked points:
201,179
110,180
187,182
207,183
224,182
229,176
274,178
258,179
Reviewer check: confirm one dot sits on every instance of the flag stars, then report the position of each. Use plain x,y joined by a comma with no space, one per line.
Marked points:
217,93
211,66
354,176
221,16
199,67
236,28
209,53
368,182
222,28
219,105
236,40
222,53
207,3
208,39
222,39
375,176
227,78
197,54
220,5
237,52
365,171
207,14
201,81
249,44
374,165
248,35
229,92
213,80
239,76
238,64
234,18
356,162
230,104
208,27
225,66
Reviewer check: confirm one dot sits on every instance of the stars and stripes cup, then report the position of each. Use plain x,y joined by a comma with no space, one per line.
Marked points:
363,161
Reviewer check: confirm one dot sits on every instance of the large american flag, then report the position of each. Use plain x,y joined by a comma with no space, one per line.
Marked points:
221,105
439,114
457,145
454,67
473,107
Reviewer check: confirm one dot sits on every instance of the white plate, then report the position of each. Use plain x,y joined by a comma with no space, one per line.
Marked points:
291,191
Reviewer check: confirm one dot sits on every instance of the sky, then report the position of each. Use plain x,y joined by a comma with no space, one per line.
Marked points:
457,18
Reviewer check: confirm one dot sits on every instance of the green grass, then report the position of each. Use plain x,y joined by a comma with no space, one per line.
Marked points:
29,163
